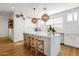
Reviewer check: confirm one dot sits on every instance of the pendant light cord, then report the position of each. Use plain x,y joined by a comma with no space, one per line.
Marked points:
34,12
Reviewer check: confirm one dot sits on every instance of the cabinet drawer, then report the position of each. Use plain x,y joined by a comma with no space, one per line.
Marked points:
71,40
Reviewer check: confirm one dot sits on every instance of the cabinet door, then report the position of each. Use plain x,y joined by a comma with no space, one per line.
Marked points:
62,38
68,40
76,41
71,40
55,45
46,45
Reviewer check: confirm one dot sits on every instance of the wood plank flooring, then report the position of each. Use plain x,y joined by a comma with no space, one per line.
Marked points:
68,51
8,48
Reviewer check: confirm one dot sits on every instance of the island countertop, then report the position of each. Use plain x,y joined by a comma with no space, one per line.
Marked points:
40,33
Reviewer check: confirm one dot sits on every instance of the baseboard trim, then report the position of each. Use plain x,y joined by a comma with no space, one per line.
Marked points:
19,41
4,37
62,43
71,46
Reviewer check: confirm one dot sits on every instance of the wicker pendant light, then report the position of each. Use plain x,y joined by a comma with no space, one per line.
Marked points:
34,20
45,16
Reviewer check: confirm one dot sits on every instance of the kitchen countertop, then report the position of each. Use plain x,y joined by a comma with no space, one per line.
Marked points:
40,33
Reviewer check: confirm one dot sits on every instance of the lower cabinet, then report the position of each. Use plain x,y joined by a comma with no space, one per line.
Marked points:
46,45
71,40
51,45
62,38
55,45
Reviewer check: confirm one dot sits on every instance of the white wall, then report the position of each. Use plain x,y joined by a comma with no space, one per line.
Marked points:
20,25
18,29
28,24
3,26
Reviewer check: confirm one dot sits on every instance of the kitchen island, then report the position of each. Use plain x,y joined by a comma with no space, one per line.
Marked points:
51,42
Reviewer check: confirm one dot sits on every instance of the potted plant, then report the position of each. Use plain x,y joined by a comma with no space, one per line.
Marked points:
51,30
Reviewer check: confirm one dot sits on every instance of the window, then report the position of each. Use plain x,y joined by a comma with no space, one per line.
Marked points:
58,20
57,23
75,16
49,22
70,17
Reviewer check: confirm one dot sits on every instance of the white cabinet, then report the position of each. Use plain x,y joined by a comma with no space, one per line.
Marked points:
71,40
62,38
46,45
51,45
55,45
76,41
68,40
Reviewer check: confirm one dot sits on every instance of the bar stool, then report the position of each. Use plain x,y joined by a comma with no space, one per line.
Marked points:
40,46
28,41
37,46
25,40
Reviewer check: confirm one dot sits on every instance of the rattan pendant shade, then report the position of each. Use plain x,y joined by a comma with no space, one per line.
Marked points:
34,20
45,17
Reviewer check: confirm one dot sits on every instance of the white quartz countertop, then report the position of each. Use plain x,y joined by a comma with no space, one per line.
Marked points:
39,33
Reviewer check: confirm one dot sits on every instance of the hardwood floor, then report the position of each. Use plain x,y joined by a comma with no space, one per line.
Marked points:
68,51
7,48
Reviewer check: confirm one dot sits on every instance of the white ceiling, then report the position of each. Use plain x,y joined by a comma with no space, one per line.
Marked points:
52,8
